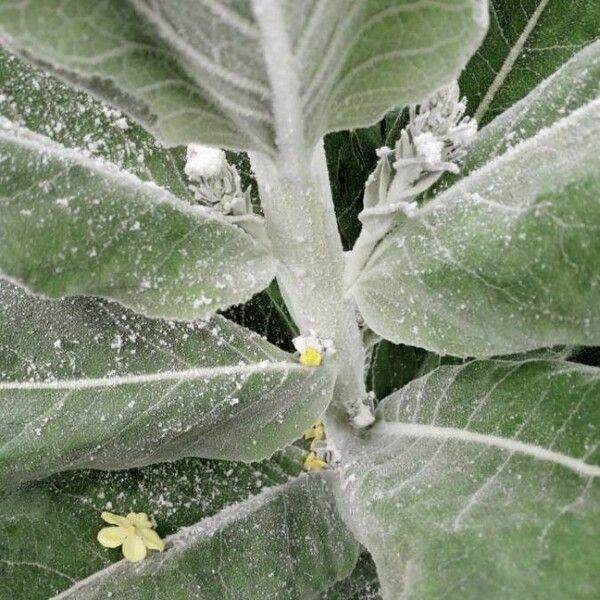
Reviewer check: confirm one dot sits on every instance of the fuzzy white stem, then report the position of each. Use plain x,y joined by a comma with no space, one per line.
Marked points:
302,228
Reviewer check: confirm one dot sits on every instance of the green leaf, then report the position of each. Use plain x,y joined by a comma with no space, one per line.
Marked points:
104,232
258,74
30,97
350,160
526,42
572,86
287,542
45,105
48,529
85,383
506,260
482,481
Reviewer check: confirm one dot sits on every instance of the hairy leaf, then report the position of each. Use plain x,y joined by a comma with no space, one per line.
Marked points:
526,42
287,542
254,74
104,232
86,383
505,260
48,529
483,481
572,86
46,105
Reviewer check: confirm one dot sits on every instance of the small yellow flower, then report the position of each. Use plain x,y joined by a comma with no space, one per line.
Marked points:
316,433
310,357
134,532
312,463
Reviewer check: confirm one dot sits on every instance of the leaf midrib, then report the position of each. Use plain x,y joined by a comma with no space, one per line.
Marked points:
509,62
182,375
152,193
464,435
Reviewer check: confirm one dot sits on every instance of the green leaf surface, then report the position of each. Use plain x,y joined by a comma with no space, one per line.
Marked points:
482,481
267,315
287,542
255,74
100,231
350,160
44,104
48,529
526,42
87,384
504,261
572,86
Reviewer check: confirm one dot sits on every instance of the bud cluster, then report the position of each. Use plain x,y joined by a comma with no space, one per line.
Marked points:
216,183
435,140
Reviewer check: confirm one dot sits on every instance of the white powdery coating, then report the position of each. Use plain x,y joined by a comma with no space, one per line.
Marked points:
364,417
429,148
204,161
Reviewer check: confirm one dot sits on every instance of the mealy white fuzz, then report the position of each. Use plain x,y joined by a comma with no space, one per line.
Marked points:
216,183
204,162
322,346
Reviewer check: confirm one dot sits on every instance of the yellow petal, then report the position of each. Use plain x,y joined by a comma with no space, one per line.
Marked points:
112,537
310,357
317,432
139,520
312,463
115,519
152,540
134,548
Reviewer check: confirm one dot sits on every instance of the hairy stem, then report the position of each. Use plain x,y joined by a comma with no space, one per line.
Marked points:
301,225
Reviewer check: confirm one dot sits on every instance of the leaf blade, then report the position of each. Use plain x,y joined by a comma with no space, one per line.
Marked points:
526,42
242,546
103,232
66,509
88,384
31,98
520,275
158,62
482,473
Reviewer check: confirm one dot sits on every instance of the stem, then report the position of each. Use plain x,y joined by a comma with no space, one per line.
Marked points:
301,225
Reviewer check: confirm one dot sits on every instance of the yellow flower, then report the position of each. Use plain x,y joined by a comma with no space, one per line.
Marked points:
312,463
134,532
310,357
316,433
